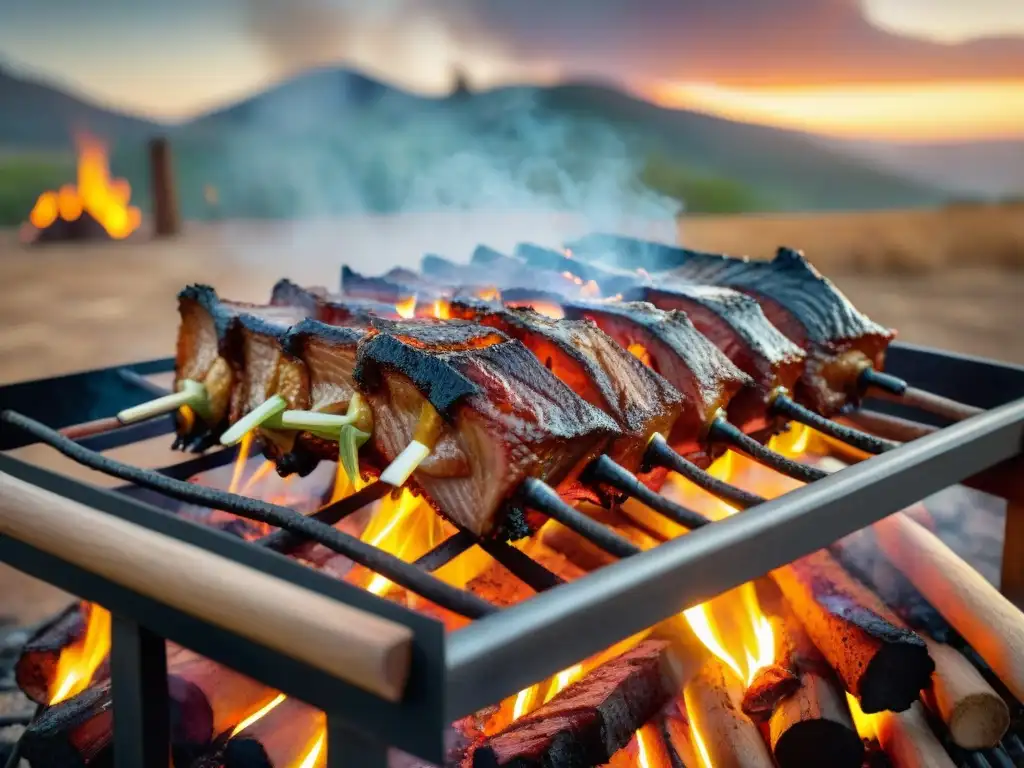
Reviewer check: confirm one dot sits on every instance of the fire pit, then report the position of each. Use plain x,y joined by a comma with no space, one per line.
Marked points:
95,208
406,632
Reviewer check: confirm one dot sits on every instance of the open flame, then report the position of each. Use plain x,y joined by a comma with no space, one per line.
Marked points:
79,661
406,308
104,199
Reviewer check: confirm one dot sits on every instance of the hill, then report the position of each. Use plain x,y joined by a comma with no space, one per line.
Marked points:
40,116
335,141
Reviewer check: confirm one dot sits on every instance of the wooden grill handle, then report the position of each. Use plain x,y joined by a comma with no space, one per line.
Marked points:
351,644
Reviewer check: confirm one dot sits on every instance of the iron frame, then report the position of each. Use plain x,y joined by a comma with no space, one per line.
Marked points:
497,656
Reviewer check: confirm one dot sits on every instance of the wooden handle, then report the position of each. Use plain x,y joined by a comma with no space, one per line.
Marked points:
988,621
350,644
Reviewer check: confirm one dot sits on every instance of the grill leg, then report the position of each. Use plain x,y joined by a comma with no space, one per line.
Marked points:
1011,581
349,748
138,678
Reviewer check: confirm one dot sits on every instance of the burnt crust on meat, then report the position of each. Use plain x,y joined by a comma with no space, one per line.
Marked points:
415,350
640,401
387,288
801,302
678,351
505,417
330,308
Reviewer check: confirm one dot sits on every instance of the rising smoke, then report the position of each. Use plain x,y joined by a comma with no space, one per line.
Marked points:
332,143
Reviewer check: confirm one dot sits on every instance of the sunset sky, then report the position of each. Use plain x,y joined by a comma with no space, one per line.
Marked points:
896,69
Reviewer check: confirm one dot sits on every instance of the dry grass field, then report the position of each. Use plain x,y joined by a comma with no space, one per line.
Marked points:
907,241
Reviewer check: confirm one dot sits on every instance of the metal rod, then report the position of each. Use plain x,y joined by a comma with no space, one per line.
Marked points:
522,566
728,433
332,514
90,428
138,679
860,440
500,655
886,382
394,569
542,497
932,403
445,552
890,427
660,453
142,382
349,747
604,470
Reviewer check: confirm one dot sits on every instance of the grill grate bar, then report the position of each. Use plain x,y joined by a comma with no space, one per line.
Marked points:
445,552
387,565
523,567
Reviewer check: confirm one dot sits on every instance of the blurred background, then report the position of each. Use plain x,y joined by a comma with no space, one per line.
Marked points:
885,138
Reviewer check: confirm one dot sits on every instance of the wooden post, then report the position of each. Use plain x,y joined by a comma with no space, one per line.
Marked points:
166,217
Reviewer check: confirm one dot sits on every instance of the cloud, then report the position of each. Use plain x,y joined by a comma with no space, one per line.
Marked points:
736,42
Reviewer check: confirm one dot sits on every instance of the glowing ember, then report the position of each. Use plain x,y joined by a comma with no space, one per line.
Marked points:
259,714
102,198
406,308
79,662
313,757
639,351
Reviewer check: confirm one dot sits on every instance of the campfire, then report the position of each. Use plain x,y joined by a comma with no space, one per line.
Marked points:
878,647
95,207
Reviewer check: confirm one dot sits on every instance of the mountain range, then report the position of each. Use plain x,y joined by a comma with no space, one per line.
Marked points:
334,139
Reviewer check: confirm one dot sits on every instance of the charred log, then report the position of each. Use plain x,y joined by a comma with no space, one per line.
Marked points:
878,659
36,668
205,699
588,722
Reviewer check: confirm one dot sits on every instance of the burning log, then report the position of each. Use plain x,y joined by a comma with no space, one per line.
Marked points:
905,737
878,659
588,722
292,733
36,668
808,719
205,699
729,738
975,714
988,621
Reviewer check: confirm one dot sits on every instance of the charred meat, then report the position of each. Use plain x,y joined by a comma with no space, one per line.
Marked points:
505,417
211,349
591,363
840,340
670,344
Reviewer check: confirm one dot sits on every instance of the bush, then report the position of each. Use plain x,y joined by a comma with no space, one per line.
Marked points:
22,179
699,193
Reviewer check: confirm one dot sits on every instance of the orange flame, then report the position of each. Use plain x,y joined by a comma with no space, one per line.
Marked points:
103,198
259,714
442,309
312,758
406,308
866,725
79,662
639,351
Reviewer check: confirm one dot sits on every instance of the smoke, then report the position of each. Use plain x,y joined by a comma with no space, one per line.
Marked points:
333,145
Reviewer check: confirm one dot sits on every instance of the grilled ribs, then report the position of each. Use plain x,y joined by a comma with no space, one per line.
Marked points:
211,349
506,417
670,344
840,340
592,364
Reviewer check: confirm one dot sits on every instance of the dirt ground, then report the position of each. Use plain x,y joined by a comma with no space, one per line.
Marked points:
77,306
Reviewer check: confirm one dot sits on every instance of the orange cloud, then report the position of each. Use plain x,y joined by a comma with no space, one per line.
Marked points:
928,111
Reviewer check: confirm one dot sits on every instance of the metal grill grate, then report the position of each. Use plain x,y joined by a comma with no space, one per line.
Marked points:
501,651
